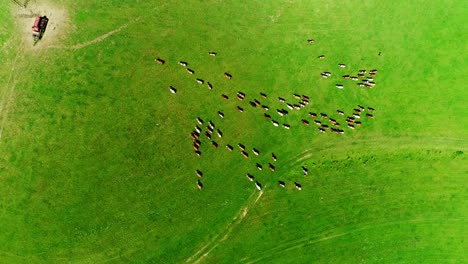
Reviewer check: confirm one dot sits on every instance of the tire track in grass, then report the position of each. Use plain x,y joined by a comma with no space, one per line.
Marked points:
303,242
205,249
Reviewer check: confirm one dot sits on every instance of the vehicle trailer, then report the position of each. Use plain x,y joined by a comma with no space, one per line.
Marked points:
40,25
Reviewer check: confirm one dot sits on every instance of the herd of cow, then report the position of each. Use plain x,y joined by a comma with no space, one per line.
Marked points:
322,120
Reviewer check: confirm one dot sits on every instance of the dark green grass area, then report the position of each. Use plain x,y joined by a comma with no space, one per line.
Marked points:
97,165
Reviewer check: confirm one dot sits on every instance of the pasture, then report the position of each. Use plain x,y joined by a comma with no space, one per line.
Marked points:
97,164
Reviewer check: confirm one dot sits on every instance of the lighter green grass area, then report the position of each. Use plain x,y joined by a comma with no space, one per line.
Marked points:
96,165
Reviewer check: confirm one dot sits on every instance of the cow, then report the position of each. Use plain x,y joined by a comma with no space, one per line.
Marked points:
281,99
325,126
310,41
371,109
351,126
172,89
199,185
228,75
267,116
356,116
229,147
361,107
297,96
305,98
210,86
220,134
271,167
290,106
274,123
258,185
298,186
259,166
198,153
323,115
225,97
324,75
361,85
321,57
297,107
340,112
208,135
280,112
362,71
322,130
305,122
199,173
220,114
253,104
369,116
210,129
264,107
190,71
200,121
198,129
346,76
317,122
327,73
160,61
241,146
358,123
286,126
212,53
360,75
263,95
273,157
245,154
183,63
313,115
339,86
305,170
196,146
240,109
342,65
282,184
250,177
334,130
333,121
257,103
303,103
200,81
211,124
256,151
354,78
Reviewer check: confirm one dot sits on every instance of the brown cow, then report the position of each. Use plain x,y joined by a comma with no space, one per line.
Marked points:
273,157
305,122
369,116
240,109
271,167
190,71
267,116
199,185
225,97
229,147
241,146
160,61
228,75
214,144
313,115
310,41
263,95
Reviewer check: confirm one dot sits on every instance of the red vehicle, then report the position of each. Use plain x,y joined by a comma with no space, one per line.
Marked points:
40,25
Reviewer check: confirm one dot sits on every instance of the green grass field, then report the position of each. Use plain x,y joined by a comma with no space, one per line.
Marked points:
97,165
